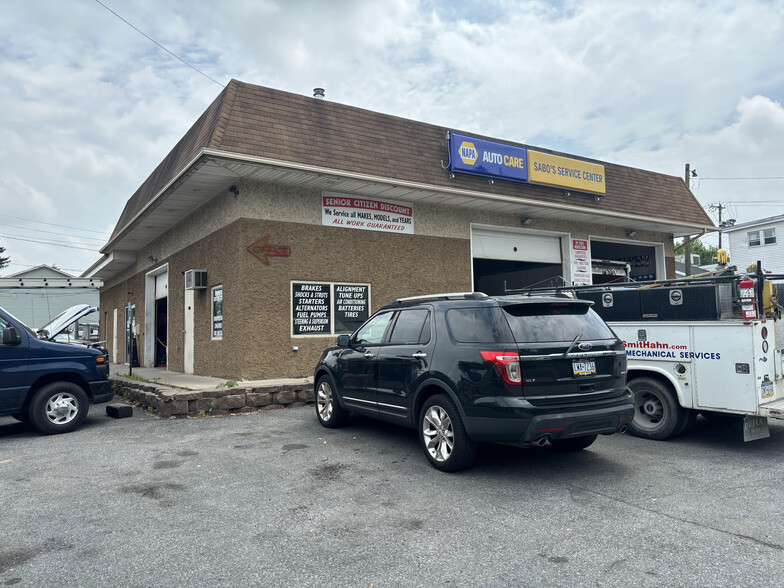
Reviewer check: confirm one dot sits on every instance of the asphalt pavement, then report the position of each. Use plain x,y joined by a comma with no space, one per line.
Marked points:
274,499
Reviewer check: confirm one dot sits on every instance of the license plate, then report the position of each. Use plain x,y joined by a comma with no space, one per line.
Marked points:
583,368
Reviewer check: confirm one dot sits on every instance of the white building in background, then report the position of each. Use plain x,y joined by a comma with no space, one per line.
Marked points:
37,295
759,240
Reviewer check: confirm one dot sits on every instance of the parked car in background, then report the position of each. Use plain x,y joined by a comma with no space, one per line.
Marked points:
465,368
48,382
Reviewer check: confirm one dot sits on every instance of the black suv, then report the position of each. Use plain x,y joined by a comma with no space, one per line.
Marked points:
466,367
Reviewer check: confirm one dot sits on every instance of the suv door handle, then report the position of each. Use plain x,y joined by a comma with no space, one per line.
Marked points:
368,355
419,355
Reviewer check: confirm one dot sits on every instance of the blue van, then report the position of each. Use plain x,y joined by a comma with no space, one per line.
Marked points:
49,381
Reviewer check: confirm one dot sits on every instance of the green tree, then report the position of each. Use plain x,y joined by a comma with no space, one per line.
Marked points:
3,260
707,253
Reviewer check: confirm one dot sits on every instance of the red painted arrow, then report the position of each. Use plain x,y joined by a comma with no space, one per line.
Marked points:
264,250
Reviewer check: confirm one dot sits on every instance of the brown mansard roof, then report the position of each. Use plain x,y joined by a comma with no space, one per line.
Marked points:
263,122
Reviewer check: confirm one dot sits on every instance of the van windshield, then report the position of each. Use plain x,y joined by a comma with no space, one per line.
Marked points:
555,321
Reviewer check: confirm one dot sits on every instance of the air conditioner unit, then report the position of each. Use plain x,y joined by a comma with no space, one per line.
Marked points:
195,279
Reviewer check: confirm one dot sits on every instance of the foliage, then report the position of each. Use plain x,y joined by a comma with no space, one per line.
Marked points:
707,253
3,260
227,384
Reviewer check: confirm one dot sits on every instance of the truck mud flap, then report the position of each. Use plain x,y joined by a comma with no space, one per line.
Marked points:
755,427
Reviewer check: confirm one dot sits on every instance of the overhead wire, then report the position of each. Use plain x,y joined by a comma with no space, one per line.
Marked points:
52,224
100,240
159,45
50,243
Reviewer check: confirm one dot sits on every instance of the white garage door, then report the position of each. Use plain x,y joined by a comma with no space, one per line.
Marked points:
494,244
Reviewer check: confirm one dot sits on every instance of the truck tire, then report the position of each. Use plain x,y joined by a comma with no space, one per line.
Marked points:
58,407
657,414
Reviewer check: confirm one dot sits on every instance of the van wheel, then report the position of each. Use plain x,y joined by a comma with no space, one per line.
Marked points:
58,407
573,444
657,414
328,410
442,434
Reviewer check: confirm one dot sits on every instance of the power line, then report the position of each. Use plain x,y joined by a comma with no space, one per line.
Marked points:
749,178
52,232
50,243
159,45
52,224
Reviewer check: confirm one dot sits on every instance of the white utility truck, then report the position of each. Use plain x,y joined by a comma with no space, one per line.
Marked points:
702,345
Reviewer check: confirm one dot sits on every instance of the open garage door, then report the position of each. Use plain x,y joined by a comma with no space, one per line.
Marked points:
644,264
505,261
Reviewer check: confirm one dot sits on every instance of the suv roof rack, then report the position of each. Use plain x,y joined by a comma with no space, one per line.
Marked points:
446,296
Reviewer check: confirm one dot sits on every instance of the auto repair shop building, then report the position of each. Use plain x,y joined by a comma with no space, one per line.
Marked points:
279,221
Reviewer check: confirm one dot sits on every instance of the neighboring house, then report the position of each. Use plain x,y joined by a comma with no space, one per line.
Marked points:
759,240
37,295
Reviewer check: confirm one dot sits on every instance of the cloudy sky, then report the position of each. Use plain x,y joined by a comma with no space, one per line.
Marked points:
90,105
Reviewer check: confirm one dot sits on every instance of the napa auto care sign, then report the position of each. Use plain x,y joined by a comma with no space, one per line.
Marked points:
367,214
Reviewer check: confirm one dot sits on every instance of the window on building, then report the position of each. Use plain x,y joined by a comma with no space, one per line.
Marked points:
754,238
217,312
769,236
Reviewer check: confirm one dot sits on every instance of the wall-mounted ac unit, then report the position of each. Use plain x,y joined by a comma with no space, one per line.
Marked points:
195,279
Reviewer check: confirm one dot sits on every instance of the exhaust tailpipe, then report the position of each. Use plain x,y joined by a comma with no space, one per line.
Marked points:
622,430
542,441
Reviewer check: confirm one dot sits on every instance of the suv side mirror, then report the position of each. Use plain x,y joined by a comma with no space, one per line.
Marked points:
342,340
11,336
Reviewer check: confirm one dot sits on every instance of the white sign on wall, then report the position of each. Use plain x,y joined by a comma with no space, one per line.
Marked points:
581,263
368,214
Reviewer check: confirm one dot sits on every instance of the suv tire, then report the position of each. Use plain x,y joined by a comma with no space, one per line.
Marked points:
58,407
328,410
443,436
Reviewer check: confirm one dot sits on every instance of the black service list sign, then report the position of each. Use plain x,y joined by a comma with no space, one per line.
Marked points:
351,306
311,308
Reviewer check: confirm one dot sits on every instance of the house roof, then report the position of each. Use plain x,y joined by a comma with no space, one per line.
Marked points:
254,125
755,223
40,271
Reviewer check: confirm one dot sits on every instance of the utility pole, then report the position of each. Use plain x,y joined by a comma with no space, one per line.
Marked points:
719,207
686,239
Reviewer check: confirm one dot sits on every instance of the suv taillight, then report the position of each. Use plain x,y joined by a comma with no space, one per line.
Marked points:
507,363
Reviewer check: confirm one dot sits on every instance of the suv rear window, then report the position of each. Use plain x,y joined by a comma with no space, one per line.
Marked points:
555,321
478,325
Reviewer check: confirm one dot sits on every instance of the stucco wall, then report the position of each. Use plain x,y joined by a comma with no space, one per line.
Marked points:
257,297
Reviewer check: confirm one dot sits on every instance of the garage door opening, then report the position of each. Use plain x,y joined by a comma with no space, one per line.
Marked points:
641,259
506,261
497,277
161,335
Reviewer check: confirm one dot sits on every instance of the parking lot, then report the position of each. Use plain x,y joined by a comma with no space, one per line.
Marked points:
273,499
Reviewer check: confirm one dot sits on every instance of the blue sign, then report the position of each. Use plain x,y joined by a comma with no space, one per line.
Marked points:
469,155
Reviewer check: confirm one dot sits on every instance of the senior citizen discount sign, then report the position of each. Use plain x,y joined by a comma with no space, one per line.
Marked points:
368,214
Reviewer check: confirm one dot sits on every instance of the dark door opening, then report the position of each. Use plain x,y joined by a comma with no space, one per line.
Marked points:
161,335
497,277
641,258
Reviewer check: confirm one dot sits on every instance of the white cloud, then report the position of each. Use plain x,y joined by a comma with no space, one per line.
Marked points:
91,107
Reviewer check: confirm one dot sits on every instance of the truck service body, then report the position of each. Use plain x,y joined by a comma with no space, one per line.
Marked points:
709,345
